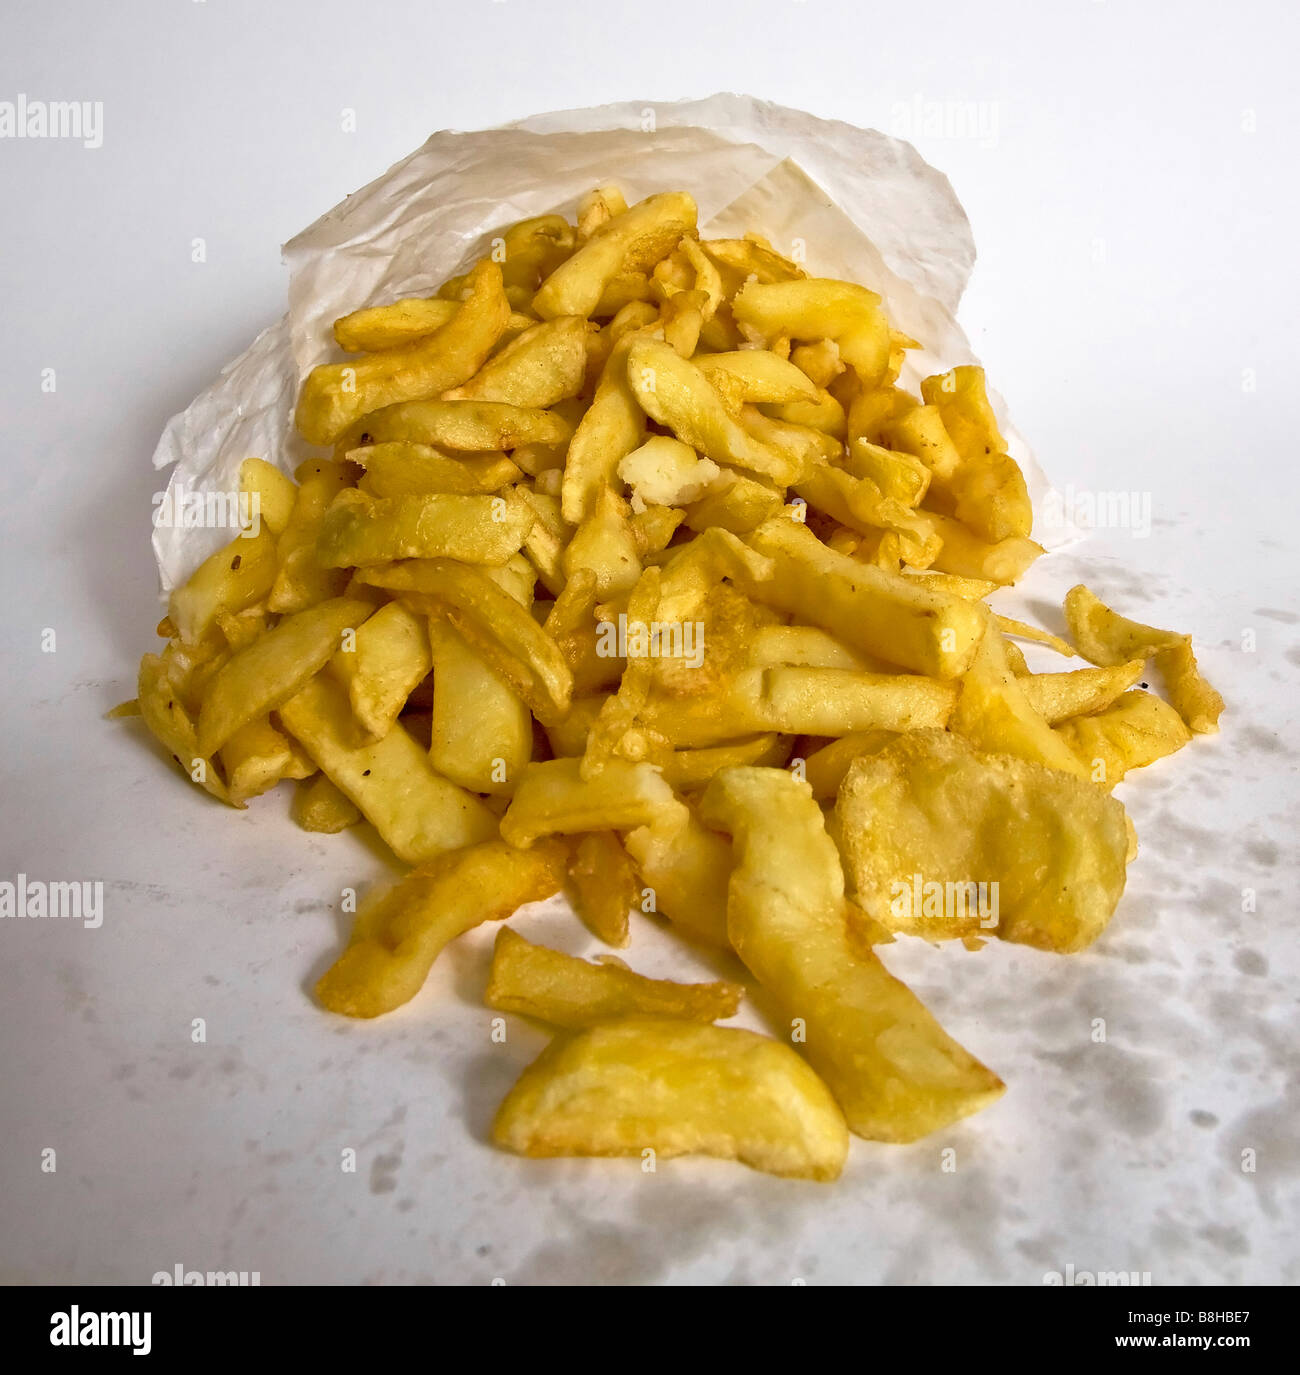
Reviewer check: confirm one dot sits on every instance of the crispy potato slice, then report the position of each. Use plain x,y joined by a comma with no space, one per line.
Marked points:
400,932
1058,696
1129,734
894,1071
1107,638
268,491
605,885
359,529
807,646
898,475
466,426
545,364
963,402
606,544
229,581
735,503
632,242
400,468
860,504
491,621
991,499
417,811
335,395
598,207
554,799
320,806
272,668
750,257
566,991
820,308
388,659
884,614
675,1088
995,713
931,806
677,394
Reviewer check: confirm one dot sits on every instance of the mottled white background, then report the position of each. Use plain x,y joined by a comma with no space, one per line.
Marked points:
1132,192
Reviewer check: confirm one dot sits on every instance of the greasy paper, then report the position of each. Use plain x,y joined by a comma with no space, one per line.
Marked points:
848,202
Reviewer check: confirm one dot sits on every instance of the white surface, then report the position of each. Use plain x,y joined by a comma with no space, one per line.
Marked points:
1134,301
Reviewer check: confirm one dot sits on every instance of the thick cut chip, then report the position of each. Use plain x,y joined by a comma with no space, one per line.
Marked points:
270,494
465,426
359,529
300,579
400,932
930,811
676,393
229,581
630,243
894,1071
417,811
964,553
605,885
544,365
612,427
890,616
1135,731
1058,696
273,667
257,757
820,308
491,621
569,992
164,712
685,867
995,713
675,1088
337,394
554,799
687,769
757,375
388,659
320,806
1105,637
399,468
825,768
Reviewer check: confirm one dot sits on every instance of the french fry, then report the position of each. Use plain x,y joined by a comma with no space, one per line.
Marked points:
544,365
399,933
388,658
229,581
417,812
470,426
268,491
675,1088
257,757
300,578
359,529
1059,696
553,798
884,614
335,395
400,468
604,885
820,308
1130,733
568,992
274,667
896,1074
320,806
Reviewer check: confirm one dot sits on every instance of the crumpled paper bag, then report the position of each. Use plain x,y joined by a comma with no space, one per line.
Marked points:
849,202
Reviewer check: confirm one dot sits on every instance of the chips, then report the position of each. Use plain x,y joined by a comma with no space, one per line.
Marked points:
628,566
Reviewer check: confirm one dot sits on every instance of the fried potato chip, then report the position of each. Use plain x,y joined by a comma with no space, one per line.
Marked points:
491,621
320,806
1058,696
170,723
301,580
824,769
1129,734
388,657
399,468
605,887
466,426
685,867
820,308
675,1088
884,614
553,798
229,581
401,931
274,667
546,363
692,768
269,493
1107,638
566,991
631,242
337,394
996,844
417,811
257,757
894,1071
359,529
